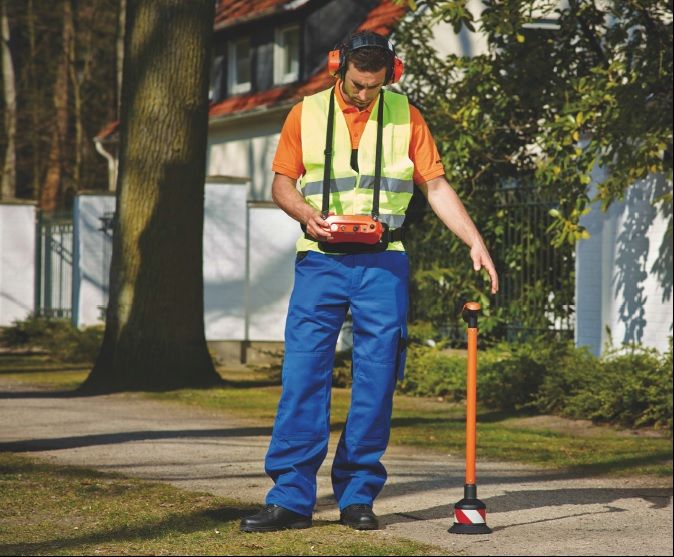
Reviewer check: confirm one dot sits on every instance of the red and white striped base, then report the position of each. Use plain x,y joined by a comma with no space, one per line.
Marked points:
465,516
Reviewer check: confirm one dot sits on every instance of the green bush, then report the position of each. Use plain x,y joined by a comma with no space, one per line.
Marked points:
511,381
631,386
58,337
341,371
572,371
431,372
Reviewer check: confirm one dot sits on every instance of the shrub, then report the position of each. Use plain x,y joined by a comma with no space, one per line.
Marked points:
430,372
341,371
632,388
511,381
58,337
568,372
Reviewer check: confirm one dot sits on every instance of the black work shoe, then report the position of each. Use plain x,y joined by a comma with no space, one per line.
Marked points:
359,517
273,518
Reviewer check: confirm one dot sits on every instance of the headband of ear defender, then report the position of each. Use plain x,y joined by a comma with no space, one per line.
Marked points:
337,57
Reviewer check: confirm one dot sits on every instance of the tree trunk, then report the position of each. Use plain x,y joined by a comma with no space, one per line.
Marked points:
51,191
8,188
121,19
36,148
154,335
75,73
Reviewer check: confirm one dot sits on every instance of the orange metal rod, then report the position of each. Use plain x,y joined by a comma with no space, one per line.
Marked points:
471,405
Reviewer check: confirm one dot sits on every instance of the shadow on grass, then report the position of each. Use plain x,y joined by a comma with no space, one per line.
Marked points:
46,393
21,370
178,523
251,383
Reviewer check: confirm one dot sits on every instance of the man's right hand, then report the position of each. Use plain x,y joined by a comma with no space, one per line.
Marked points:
285,195
317,227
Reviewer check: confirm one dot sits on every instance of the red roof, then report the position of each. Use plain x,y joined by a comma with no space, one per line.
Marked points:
233,12
381,20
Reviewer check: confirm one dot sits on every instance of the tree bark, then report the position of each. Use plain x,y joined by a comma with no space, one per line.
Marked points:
154,336
76,78
119,49
8,187
34,140
51,190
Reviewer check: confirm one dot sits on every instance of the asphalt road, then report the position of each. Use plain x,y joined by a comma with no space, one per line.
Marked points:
531,511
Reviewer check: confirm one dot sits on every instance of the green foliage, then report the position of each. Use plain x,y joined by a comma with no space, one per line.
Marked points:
631,387
341,371
58,337
541,108
430,372
509,382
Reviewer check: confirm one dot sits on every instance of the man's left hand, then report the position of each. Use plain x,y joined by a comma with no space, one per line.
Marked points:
481,258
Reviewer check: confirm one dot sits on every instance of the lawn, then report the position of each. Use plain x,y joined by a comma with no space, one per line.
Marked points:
429,423
68,510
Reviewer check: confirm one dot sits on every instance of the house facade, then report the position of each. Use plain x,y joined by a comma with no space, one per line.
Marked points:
269,54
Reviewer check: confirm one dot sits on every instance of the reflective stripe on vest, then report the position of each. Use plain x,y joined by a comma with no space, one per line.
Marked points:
350,192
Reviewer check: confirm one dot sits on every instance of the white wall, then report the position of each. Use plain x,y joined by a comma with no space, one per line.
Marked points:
91,258
624,272
249,255
273,235
17,261
225,259
246,149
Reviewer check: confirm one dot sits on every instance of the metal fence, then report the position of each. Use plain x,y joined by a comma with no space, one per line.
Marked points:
537,279
54,266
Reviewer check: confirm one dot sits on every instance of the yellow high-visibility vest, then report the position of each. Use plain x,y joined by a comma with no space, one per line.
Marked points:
351,192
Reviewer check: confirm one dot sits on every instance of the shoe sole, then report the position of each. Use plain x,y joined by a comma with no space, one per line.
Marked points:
293,526
356,526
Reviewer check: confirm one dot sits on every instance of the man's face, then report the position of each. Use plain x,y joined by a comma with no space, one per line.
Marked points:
361,88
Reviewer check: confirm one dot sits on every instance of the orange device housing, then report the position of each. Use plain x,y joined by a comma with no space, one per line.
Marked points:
360,229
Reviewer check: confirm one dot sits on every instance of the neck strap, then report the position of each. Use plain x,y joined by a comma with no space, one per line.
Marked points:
325,209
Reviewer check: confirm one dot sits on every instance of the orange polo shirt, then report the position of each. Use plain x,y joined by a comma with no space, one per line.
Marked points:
423,152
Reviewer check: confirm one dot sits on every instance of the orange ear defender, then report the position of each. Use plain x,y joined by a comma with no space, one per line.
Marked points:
337,57
398,67
334,62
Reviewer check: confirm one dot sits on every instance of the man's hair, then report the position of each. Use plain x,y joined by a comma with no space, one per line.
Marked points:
368,58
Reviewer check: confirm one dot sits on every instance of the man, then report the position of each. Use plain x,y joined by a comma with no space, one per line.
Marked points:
359,151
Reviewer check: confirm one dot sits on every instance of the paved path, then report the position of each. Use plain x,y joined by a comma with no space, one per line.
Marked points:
532,512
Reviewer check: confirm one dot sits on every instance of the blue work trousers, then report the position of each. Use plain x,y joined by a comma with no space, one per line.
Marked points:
375,287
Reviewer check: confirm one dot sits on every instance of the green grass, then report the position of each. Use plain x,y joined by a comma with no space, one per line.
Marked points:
68,510
430,424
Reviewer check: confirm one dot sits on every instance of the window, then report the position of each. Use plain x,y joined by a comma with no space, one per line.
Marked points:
216,82
287,54
239,64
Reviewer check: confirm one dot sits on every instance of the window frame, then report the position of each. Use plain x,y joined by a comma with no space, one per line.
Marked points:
233,87
281,51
